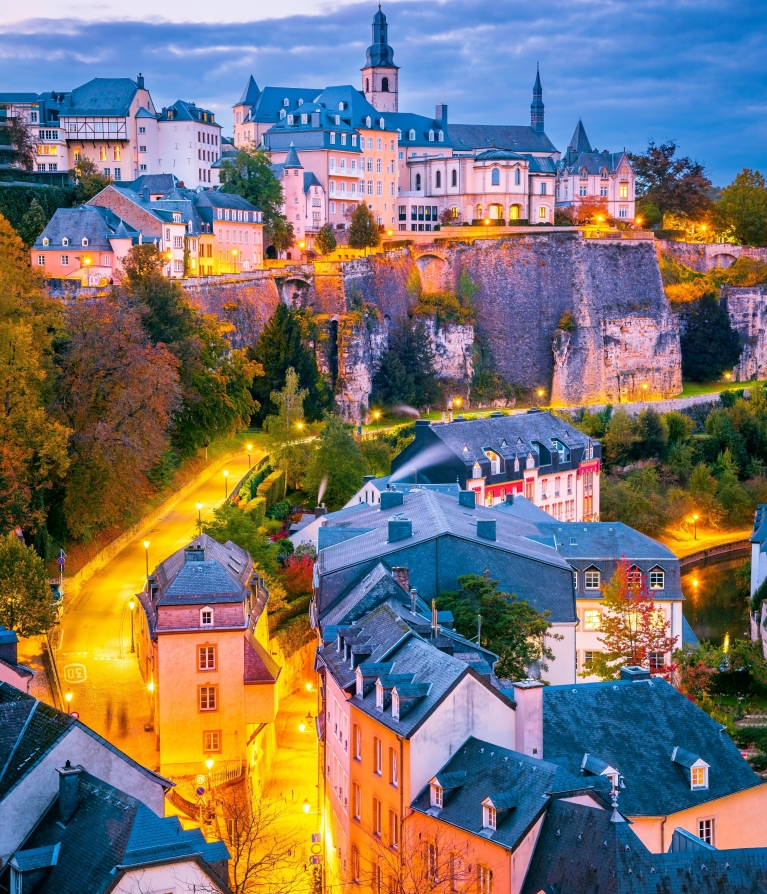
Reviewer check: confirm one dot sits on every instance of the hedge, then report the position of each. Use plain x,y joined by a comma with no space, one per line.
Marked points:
249,486
272,488
256,509
15,200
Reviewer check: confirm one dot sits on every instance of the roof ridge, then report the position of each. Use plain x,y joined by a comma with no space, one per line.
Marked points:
19,737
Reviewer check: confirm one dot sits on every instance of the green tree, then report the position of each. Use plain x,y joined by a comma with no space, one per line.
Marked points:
249,174
363,229
231,523
89,181
511,628
281,346
633,629
392,383
282,234
325,240
337,460
26,603
709,343
650,435
33,223
670,183
413,347
20,151
741,211
285,429
619,439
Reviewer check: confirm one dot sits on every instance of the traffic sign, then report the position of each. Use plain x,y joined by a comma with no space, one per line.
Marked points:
74,714
316,837
200,790
199,779
61,560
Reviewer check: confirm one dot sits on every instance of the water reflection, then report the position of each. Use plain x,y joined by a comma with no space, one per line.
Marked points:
714,605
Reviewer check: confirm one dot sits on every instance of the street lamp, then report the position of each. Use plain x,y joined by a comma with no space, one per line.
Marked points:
376,416
302,245
306,805
226,483
68,699
199,518
540,393
457,401
695,526
131,606
250,447
146,555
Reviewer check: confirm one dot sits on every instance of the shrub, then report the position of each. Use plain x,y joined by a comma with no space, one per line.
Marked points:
256,509
298,574
567,321
281,511
272,488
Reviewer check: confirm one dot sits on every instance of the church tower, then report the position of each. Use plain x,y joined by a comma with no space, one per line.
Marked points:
536,106
379,76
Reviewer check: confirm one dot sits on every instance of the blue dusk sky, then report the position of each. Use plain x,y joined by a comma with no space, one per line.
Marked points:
690,70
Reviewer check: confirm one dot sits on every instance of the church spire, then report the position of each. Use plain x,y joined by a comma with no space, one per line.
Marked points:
379,52
536,106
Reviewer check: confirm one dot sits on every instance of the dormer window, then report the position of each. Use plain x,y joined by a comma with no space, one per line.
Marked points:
338,120
489,817
381,124
476,471
46,241
341,106
699,777
290,119
604,173
437,795
657,578
591,579
354,139
85,240
379,696
286,102
440,136
65,241
411,135
283,113
431,136
495,462
368,121
332,137
530,461
300,102
206,617
634,577
304,118
395,705
176,218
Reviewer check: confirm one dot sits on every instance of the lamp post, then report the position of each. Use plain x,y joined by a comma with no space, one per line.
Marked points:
209,765
226,483
146,556
695,526
306,805
540,393
68,699
199,518
234,255
250,447
131,606
376,416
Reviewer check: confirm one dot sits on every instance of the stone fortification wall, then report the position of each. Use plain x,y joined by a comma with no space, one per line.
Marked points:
747,309
706,256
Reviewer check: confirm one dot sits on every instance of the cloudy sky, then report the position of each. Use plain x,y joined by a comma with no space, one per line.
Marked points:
691,70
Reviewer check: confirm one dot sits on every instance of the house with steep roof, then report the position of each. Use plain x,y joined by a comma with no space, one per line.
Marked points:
35,739
586,174
18,675
188,144
203,648
97,838
535,454
304,202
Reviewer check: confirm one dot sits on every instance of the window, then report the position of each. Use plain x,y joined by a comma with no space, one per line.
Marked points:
623,212
592,619
206,658
489,817
484,879
208,698
542,212
332,137
440,136
495,177
411,135
65,240
583,192
591,579
102,153
206,617
588,659
530,489
418,181
65,260
117,154
454,178
455,869
603,192
377,756
211,740
516,177
377,817
623,191
706,831
142,130
357,742
657,660
430,855
393,829
355,863
393,768
699,777
41,260
657,579
436,795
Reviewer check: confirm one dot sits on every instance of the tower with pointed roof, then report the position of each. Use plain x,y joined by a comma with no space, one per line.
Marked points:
380,74
536,106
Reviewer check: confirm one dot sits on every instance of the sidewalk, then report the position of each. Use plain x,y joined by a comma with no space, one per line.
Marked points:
682,544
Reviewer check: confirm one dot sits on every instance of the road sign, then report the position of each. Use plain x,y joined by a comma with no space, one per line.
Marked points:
316,837
75,673
61,561
200,790
74,714
315,861
199,779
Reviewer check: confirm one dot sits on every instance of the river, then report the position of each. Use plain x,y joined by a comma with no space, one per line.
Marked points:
714,606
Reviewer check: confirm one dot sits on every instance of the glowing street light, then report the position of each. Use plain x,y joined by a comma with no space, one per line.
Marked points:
457,401
728,376
302,245
131,606
306,805
146,556
302,726
150,686
199,517
68,697
376,416
695,526
309,687
226,483
390,232
250,447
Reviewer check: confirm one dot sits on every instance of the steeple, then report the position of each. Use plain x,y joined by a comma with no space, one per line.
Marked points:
291,159
379,52
536,106
580,142
380,74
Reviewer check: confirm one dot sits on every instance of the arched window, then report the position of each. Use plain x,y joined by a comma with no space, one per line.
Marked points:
411,135
385,85
516,177
441,136
285,101
283,113
85,240
300,101
381,124
367,85
514,212
454,178
65,241
431,136
417,181
479,211
496,177
438,179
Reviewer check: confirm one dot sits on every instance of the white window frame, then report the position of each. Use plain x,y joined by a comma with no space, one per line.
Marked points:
588,578
436,795
657,579
207,617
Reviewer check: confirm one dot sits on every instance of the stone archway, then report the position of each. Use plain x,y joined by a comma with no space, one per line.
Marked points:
723,260
435,273
294,291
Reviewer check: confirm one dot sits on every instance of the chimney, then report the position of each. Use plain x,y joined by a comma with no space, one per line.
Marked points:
434,618
401,574
486,528
413,598
633,673
391,498
441,114
194,553
528,722
140,81
366,479
9,644
400,529
467,498
69,791
319,510
510,499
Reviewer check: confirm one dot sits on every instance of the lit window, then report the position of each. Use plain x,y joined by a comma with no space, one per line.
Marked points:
208,698
206,658
591,580
437,795
211,740
623,191
489,817
588,659
657,580
592,619
541,212
699,777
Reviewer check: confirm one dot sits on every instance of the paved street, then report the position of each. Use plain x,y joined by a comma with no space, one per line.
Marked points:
94,658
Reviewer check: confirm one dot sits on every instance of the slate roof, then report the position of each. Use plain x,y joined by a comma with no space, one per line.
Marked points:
506,776
524,509
580,851
518,138
260,667
356,108
107,97
499,155
109,829
92,222
269,102
421,124
223,575
580,142
634,727
17,97
189,111
250,93
759,531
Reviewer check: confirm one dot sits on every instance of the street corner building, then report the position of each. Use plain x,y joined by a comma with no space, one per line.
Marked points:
204,652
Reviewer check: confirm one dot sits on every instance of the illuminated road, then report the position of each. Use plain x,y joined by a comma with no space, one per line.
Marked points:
94,658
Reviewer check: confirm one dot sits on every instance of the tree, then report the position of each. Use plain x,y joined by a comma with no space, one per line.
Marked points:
298,575
592,210
392,383
118,393
280,346
337,461
22,146
650,435
325,240
511,627
33,223
26,603
634,630
89,181
619,439
285,429
709,343
231,523
741,211
407,374
282,234
249,174
363,229
670,184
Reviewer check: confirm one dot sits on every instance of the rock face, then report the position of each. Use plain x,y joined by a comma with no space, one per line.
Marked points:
453,346
747,309
705,257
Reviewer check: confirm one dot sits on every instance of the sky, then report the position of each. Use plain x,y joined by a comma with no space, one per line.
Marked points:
694,71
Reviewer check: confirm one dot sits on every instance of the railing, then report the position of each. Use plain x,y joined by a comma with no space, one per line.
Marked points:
228,772
724,550
58,698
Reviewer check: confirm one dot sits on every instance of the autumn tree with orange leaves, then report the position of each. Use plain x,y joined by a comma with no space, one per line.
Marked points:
634,630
